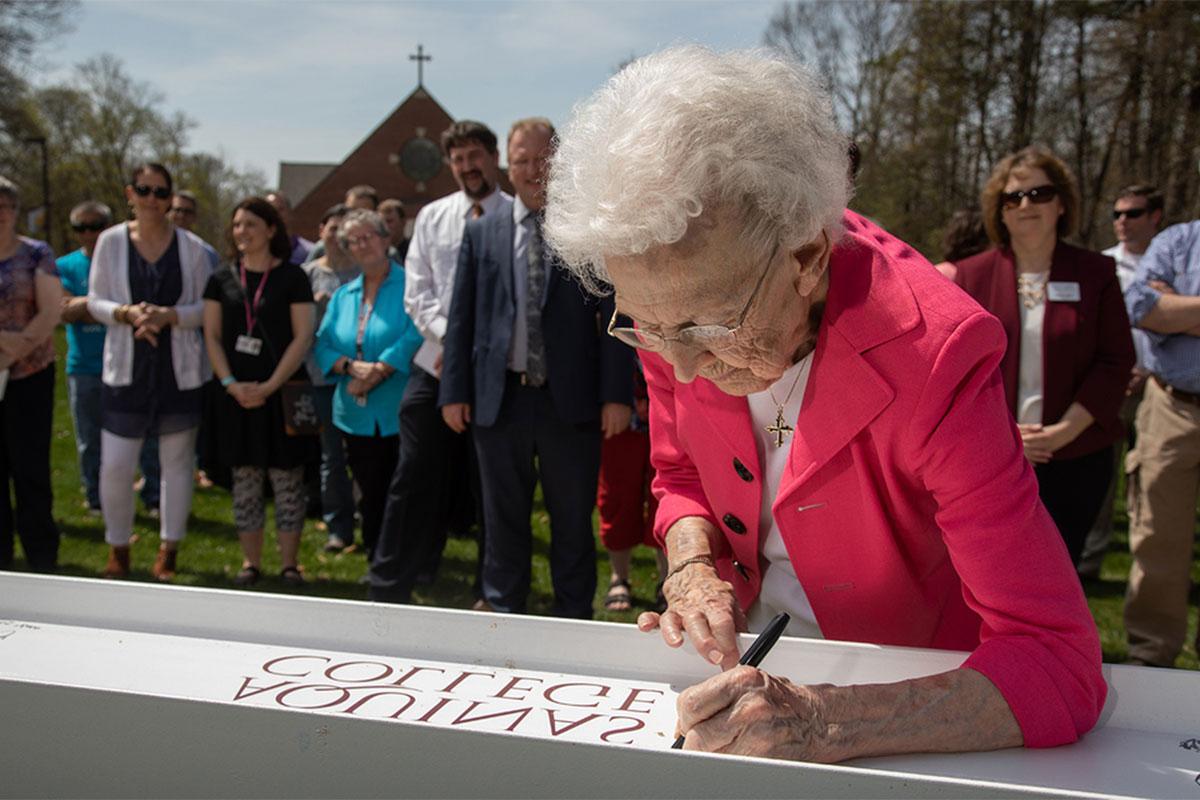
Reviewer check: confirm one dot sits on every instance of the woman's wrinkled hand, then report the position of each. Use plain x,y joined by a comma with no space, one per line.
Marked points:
748,712
246,393
361,370
147,315
357,387
703,609
13,344
1041,441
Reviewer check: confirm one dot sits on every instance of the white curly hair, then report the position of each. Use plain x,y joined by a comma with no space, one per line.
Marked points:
679,136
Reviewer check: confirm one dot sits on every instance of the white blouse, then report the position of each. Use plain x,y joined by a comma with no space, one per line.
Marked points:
1031,295
781,590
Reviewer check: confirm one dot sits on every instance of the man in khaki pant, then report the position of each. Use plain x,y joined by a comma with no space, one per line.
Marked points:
1164,299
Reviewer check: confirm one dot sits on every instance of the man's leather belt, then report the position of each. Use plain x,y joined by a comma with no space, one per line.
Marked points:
523,379
1178,394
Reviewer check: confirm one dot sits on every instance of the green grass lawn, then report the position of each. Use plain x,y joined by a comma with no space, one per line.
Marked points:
210,555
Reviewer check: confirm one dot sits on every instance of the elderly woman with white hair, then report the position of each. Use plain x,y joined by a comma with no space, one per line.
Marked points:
828,424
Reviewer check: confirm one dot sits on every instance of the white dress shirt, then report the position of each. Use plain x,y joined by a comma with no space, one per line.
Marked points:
1127,264
433,258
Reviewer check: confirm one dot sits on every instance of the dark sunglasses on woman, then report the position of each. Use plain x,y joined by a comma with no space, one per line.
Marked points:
80,227
1038,195
1131,213
161,192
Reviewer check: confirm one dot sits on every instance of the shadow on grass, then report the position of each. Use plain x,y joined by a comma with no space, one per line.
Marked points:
1103,588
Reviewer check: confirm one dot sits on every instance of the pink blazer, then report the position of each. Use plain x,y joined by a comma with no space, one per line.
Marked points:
907,508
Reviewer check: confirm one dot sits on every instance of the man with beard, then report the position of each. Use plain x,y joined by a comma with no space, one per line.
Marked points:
434,463
538,382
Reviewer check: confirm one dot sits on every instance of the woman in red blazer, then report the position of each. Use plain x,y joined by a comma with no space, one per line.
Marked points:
1069,349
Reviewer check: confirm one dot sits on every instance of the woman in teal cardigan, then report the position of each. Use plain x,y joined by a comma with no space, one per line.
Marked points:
366,344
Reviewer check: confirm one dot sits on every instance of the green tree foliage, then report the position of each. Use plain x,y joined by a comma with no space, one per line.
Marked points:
101,123
935,93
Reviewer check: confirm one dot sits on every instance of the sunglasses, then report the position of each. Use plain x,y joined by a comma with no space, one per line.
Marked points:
1131,213
80,227
187,212
161,192
1038,195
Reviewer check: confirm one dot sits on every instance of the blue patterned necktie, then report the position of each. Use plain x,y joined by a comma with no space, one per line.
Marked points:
535,368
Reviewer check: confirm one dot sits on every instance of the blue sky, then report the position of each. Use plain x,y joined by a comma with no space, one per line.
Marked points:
306,81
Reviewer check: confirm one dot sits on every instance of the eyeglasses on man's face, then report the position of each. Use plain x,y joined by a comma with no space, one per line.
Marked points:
142,190
1129,213
94,227
183,211
699,337
1038,195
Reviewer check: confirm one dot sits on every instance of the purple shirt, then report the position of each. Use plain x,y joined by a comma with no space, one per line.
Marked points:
18,299
301,247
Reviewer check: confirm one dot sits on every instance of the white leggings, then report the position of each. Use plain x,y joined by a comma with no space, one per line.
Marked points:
118,463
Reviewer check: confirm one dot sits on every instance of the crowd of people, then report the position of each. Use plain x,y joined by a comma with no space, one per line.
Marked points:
424,387
288,369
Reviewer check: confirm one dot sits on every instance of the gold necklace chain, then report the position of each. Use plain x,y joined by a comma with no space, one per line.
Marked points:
781,429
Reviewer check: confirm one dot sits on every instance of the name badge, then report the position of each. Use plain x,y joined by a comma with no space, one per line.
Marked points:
1063,291
248,345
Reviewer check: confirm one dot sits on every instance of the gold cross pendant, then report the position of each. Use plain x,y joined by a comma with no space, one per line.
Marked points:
780,428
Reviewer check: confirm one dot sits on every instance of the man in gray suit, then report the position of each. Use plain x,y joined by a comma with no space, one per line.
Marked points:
528,367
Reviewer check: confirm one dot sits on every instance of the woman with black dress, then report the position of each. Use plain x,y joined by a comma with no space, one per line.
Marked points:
258,326
146,283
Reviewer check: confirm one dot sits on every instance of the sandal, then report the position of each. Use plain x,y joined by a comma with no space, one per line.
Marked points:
292,576
247,577
660,599
619,597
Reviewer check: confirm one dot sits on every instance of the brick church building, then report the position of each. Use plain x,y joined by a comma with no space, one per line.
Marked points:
401,158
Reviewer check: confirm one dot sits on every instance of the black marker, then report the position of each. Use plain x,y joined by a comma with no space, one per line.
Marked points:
757,652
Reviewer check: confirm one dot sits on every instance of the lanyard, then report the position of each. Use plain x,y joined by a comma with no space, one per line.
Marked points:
364,316
252,311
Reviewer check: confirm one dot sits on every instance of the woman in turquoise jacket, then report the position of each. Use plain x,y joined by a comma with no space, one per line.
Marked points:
366,344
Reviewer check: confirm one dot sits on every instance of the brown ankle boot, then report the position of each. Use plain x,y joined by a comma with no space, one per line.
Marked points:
164,565
118,562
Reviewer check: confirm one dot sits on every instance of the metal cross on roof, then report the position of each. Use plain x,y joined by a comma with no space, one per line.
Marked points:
420,58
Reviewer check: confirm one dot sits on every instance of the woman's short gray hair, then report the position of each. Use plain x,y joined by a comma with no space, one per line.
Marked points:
360,216
684,135
92,208
9,189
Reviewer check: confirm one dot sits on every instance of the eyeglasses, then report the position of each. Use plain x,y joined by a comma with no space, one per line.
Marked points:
161,192
361,241
1038,195
699,337
1131,213
183,211
80,227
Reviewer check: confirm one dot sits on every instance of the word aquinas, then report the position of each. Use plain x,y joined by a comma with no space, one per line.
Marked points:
452,696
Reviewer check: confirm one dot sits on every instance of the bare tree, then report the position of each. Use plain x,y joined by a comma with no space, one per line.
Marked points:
935,93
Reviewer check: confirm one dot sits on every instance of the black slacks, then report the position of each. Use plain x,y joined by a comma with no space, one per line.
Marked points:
26,414
567,455
419,495
372,461
1073,491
